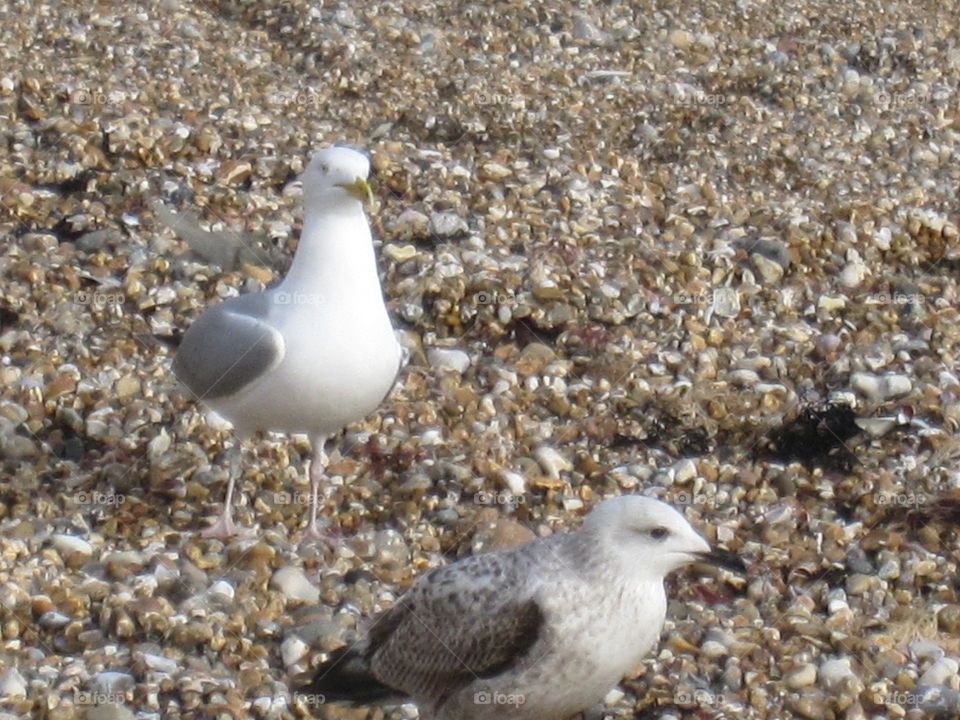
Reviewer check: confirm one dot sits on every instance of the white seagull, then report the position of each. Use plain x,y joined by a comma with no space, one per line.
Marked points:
313,354
538,632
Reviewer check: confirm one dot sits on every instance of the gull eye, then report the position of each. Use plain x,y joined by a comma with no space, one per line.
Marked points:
324,168
658,533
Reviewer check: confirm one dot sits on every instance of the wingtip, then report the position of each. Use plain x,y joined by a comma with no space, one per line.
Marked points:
171,341
345,677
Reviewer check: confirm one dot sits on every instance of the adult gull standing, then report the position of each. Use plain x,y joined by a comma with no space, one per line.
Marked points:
313,354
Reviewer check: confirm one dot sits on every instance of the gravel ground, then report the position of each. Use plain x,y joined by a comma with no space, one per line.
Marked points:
677,248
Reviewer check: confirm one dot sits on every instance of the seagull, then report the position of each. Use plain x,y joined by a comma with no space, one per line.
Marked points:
314,353
538,632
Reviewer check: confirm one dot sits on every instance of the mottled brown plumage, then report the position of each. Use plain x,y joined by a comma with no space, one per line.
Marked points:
538,632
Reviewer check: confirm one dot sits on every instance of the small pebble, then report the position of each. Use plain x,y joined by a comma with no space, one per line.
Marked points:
940,672
879,388
294,585
551,461
801,676
449,359
12,684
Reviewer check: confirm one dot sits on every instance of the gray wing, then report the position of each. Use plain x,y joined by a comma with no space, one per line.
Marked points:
229,346
466,621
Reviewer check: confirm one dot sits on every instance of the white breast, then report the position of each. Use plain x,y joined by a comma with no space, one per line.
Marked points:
585,655
336,370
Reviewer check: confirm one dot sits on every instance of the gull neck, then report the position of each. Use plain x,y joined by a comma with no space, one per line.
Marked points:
335,253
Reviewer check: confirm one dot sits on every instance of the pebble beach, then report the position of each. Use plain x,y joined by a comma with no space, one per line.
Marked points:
707,252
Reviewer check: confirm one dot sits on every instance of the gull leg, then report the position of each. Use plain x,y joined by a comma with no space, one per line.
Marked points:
224,527
318,466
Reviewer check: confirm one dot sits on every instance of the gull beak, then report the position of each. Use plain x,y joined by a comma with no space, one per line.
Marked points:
722,558
360,189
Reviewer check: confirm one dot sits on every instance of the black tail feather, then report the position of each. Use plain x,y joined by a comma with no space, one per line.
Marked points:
171,341
346,677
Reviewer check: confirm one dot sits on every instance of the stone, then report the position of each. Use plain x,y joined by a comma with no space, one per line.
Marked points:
292,582
448,359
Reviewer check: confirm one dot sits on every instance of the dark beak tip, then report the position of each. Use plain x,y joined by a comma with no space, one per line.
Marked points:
724,558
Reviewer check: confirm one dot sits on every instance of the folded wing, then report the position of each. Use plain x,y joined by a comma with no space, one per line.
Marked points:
228,347
471,620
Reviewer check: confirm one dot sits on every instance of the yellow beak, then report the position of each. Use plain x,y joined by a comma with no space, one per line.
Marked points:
360,189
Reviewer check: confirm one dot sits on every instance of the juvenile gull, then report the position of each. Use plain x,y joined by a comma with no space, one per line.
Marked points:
312,354
538,632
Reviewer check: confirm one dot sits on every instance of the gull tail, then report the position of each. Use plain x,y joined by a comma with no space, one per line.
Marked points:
346,677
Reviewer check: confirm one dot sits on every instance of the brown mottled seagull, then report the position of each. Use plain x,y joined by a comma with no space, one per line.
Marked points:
538,632
312,354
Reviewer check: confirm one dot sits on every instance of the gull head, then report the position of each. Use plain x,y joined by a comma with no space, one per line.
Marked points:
646,535
337,176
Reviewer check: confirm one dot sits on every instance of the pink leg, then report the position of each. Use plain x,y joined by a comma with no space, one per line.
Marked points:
224,527
318,466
